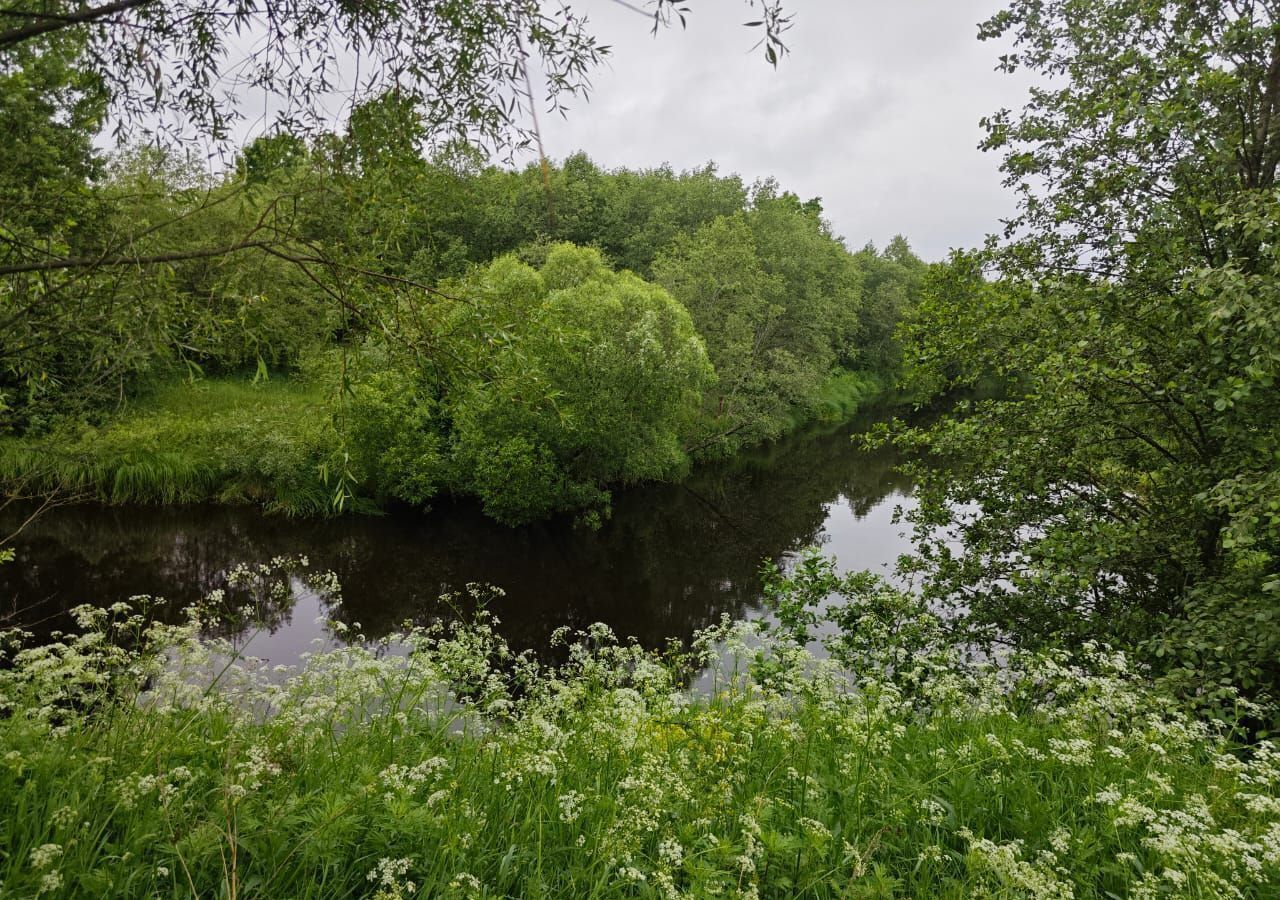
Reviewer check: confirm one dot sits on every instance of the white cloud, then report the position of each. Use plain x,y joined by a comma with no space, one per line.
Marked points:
875,110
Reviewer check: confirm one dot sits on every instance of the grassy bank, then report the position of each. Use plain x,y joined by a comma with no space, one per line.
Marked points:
842,396
274,443
228,440
461,770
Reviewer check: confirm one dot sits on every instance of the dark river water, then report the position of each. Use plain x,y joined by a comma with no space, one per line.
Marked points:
672,559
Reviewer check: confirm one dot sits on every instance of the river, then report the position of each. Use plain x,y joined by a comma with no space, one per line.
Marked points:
671,559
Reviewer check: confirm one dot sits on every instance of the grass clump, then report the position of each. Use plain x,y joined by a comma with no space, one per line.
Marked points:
230,440
459,768
842,395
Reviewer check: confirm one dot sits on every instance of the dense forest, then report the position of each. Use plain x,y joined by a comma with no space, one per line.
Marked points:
1069,688
344,322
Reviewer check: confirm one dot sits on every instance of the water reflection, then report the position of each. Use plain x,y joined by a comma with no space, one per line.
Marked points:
673,558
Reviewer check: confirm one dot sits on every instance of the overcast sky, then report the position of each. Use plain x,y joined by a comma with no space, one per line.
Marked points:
875,110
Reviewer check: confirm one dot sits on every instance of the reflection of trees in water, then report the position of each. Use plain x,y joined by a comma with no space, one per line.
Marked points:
93,554
673,559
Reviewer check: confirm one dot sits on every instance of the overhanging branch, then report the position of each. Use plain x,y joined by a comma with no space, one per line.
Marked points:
92,262
47,23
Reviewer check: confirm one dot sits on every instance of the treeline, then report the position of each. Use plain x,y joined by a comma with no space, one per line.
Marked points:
528,337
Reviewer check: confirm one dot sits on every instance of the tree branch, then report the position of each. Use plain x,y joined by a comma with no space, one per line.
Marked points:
48,23
90,262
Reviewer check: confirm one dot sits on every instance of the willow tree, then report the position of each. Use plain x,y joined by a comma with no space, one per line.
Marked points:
542,389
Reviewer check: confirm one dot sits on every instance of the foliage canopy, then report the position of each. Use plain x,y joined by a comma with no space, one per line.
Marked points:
1125,485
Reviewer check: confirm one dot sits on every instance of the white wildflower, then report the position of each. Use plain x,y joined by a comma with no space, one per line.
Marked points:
1108,796
671,852
45,854
934,812
570,806
50,882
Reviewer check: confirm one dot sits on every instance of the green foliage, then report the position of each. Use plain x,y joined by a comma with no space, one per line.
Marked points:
532,390
532,382
630,215
49,111
161,67
1124,486
224,440
77,341
564,380
454,767
431,218
394,431
121,273
842,396
892,281
779,301
718,276
270,157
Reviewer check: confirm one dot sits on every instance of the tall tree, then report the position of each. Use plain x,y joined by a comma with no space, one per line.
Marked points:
1126,487
778,299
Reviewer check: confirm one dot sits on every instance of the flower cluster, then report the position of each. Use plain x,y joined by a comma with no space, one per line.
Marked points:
458,767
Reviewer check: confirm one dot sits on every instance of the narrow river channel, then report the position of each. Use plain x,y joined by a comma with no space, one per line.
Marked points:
672,559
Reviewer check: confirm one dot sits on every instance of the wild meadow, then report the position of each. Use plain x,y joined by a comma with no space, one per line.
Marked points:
144,760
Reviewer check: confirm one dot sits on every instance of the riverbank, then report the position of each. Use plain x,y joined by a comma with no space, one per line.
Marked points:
460,770
671,559
224,440
282,443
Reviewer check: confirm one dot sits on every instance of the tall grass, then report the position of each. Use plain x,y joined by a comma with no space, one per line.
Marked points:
841,397
458,768
223,439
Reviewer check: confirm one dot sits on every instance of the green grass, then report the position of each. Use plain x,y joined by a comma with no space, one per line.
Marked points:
845,394
841,397
218,439
461,770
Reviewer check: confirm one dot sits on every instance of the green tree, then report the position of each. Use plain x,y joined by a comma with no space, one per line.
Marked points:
49,111
542,387
822,281
428,73
892,281
778,299
1126,487
595,388
717,274
271,156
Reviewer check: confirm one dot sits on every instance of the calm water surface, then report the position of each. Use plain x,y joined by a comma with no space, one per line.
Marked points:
672,559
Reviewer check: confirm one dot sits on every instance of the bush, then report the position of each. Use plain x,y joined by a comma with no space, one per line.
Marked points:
556,384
